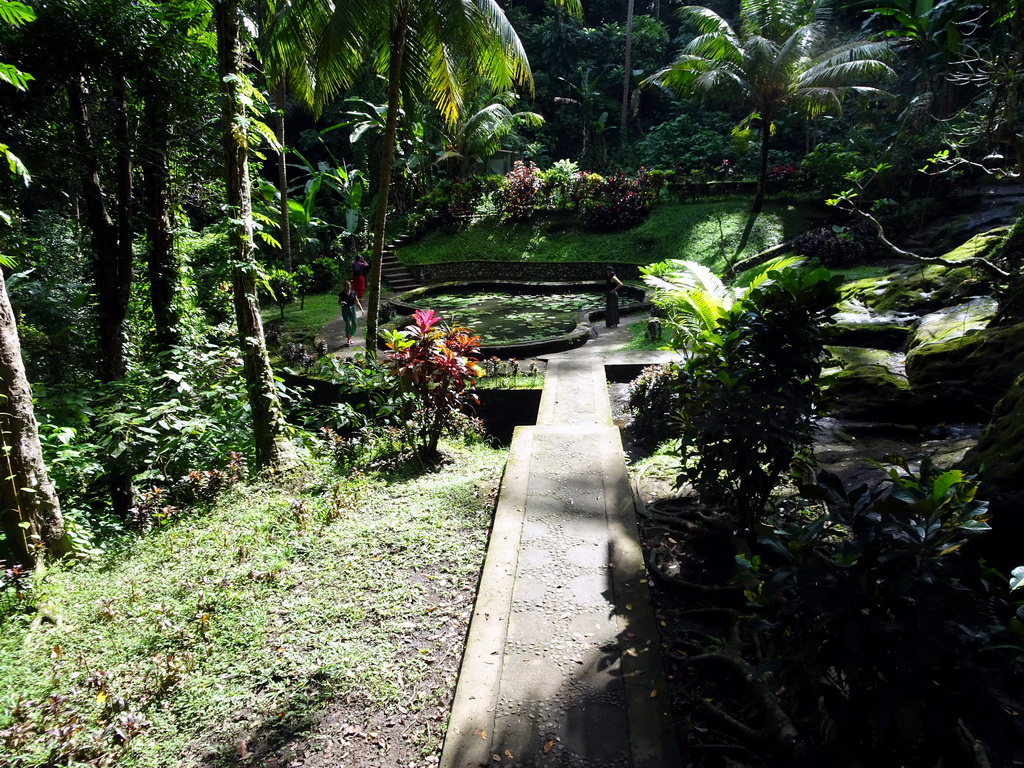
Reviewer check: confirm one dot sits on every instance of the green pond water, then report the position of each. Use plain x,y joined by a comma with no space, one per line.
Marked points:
502,318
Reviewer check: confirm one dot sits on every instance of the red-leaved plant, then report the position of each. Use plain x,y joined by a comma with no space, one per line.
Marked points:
434,367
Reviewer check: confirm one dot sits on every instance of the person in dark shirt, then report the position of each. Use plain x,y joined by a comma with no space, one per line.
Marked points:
611,302
360,269
348,300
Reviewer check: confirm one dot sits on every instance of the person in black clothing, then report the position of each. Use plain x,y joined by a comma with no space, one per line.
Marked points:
348,300
611,305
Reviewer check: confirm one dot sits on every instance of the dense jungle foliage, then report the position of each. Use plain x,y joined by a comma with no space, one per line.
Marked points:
185,175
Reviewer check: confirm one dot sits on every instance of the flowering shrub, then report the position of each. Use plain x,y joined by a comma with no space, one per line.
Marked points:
433,367
617,202
780,174
519,195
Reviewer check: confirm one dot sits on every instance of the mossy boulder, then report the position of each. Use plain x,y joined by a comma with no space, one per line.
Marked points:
922,288
955,360
870,385
857,325
998,461
998,458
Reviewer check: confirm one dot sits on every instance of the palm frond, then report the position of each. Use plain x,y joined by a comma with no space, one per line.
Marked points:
779,263
707,21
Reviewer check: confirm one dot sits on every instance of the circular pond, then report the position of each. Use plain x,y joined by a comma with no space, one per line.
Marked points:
519,319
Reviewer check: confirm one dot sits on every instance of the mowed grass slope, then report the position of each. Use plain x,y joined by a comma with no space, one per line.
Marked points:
694,231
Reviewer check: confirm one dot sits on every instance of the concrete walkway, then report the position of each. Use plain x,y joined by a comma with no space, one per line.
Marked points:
563,665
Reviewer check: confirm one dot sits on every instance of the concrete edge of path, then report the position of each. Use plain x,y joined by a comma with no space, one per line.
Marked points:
652,733
467,742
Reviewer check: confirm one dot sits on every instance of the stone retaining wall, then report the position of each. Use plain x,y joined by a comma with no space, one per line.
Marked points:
472,271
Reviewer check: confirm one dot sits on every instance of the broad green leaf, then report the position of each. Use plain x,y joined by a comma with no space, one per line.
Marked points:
945,481
1017,578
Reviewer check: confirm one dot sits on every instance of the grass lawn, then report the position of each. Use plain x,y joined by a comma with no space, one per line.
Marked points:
638,338
695,231
319,310
260,626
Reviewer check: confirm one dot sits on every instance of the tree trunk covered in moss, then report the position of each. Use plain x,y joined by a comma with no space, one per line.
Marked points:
398,32
272,446
30,509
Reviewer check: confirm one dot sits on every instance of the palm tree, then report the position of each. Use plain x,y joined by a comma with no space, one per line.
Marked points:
424,50
773,63
480,133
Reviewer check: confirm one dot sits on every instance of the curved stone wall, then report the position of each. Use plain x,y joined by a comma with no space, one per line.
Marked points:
635,301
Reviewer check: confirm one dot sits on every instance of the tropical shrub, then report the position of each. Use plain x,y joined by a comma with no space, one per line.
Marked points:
750,388
653,398
304,281
208,252
686,142
692,298
561,185
433,367
827,164
837,246
883,635
519,194
616,202
282,288
326,274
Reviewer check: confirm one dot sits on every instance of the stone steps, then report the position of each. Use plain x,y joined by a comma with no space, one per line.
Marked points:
394,273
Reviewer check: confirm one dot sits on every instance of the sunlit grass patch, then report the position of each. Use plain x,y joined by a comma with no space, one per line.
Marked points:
248,621
694,231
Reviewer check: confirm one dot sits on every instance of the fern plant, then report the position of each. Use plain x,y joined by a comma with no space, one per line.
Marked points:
695,299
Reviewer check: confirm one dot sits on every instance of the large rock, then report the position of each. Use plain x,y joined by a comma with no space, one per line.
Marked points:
857,325
922,288
870,385
999,456
998,461
956,361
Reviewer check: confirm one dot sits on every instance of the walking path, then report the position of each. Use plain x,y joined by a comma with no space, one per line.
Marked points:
563,665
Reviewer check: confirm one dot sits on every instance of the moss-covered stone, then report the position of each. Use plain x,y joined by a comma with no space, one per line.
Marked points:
923,288
951,325
955,361
981,246
998,458
857,325
870,384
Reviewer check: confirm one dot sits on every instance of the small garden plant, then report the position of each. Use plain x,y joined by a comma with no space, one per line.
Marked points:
435,371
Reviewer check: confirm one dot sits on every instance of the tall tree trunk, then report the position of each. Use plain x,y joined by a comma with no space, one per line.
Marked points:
29,507
280,95
122,289
398,30
112,255
163,269
103,235
628,75
762,168
271,443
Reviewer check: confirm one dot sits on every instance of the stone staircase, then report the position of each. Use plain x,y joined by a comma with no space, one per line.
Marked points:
393,272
